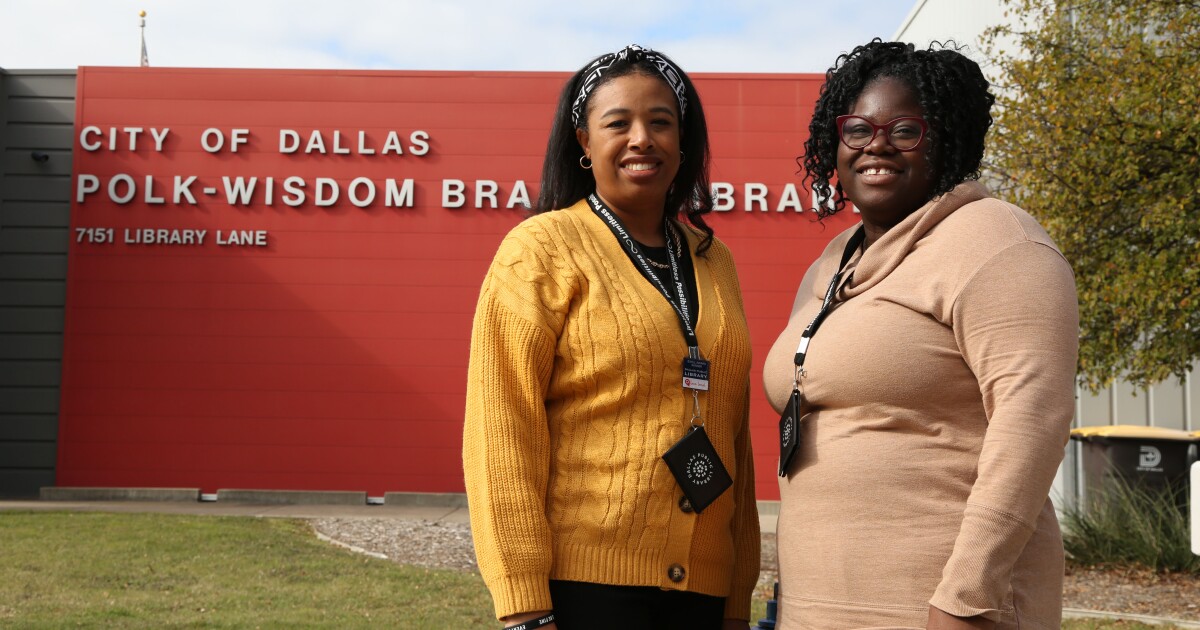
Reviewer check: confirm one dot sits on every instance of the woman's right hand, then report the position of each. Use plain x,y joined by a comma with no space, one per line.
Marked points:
519,618
942,620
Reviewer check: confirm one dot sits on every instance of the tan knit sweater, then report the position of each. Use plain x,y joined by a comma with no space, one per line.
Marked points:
940,392
574,394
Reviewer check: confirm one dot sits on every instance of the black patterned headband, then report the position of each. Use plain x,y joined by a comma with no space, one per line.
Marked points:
632,54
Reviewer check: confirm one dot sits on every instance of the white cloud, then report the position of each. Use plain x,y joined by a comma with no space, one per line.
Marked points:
704,36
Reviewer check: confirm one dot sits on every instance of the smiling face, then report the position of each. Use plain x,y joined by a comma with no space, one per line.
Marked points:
884,183
632,139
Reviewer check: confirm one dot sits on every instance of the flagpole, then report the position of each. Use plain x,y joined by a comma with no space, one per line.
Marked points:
145,62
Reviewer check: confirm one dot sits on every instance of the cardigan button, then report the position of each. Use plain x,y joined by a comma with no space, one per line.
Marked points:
676,573
684,505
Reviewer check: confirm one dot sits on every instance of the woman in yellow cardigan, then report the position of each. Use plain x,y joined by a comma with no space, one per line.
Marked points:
606,449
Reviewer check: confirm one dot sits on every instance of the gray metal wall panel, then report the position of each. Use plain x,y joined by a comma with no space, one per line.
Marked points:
37,347
29,400
1168,404
17,240
38,136
41,83
1167,401
35,214
28,427
29,455
1131,405
24,483
34,266
40,110
1096,409
19,161
37,114
1191,397
6,80
27,373
33,293
21,319
36,188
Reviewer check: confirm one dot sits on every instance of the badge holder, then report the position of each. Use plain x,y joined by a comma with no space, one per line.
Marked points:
693,460
789,432
697,469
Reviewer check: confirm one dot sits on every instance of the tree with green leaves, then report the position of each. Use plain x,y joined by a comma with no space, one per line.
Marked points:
1098,136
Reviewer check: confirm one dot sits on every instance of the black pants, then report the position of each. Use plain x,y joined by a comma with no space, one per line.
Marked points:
587,606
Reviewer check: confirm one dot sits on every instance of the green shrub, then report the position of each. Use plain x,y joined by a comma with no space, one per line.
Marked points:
1127,525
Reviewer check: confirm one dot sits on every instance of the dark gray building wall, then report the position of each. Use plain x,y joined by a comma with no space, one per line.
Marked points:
37,116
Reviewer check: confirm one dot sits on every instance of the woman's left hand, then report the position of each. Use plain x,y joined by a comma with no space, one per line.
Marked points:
942,620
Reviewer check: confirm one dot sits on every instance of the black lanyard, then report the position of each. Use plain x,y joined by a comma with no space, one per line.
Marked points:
693,460
677,298
789,419
855,242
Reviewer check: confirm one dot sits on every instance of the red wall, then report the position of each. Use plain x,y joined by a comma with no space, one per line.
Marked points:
334,357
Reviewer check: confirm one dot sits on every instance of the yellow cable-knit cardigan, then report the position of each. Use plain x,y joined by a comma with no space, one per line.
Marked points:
573,395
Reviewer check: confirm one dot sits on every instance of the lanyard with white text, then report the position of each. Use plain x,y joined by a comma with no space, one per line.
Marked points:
801,350
695,369
693,460
789,420
677,298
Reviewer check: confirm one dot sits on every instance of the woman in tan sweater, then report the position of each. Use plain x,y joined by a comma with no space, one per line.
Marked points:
606,450
933,396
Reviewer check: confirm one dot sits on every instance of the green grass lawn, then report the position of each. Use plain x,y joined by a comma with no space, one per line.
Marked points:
160,571
94,570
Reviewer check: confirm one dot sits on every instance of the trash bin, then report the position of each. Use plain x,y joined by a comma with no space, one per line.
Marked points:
1150,458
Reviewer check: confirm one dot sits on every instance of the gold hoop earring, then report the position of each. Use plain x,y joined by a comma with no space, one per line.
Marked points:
585,166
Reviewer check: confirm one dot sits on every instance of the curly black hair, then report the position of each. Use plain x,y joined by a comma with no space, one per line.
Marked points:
564,182
950,88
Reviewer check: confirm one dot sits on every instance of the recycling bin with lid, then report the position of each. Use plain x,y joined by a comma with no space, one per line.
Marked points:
1150,458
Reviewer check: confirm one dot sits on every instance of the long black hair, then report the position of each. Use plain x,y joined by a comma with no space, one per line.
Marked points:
950,88
564,182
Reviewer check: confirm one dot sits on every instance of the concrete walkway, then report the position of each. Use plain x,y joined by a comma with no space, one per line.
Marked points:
444,508
450,514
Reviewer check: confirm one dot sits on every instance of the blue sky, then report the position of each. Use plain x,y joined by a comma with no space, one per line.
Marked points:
703,36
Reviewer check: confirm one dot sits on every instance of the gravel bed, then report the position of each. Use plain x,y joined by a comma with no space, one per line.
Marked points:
440,545
429,544
1174,596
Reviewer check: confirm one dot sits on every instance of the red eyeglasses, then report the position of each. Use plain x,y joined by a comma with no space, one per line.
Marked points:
904,133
